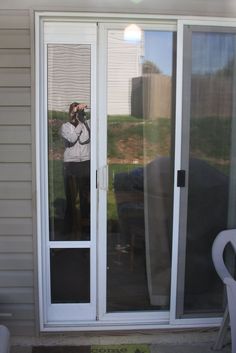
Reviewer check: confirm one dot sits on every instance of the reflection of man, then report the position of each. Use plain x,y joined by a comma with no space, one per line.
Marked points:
76,134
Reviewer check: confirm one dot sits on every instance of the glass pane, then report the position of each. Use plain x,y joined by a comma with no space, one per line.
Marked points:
211,195
70,275
69,83
140,158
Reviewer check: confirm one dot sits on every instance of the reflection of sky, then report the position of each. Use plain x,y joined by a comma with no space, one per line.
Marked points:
211,51
158,47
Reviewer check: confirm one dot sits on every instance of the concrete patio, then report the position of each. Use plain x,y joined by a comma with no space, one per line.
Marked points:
182,341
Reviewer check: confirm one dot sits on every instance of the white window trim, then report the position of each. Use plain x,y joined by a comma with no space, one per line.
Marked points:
126,320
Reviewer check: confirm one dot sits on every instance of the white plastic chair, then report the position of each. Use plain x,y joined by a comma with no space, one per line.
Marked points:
4,339
220,242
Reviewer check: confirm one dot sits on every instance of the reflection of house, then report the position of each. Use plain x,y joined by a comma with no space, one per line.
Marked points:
124,62
62,81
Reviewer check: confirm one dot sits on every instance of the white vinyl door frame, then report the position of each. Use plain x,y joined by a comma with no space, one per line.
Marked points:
103,319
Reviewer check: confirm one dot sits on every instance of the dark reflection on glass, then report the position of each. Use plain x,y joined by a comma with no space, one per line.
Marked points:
209,205
69,82
70,275
140,128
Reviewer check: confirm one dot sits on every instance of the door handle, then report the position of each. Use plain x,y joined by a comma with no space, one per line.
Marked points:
102,178
181,178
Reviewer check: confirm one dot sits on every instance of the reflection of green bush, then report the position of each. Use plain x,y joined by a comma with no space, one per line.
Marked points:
56,184
55,120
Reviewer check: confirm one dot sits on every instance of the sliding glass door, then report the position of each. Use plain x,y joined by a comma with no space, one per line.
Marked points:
139,117
208,200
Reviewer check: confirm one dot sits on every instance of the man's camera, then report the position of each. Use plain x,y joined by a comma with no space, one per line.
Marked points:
80,115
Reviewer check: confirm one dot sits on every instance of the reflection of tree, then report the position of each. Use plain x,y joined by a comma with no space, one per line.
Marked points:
227,70
150,68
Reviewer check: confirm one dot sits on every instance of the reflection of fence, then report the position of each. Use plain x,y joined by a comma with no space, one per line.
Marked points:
151,96
211,96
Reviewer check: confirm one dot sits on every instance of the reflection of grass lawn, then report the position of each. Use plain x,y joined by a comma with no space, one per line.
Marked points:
130,139
56,185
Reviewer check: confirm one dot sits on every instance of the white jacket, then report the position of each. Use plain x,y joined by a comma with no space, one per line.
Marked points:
77,152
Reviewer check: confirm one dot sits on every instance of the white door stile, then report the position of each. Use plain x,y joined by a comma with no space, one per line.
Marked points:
176,201
102,161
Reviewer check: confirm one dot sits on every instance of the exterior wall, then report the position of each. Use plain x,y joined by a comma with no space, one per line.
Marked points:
16,244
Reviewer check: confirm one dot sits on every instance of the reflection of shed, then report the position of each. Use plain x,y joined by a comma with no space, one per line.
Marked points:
145,90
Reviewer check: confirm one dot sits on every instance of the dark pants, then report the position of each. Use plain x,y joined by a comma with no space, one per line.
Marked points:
77,192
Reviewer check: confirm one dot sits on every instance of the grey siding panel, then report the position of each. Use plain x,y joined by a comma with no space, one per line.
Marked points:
15,172
18,20
15,58
15,190
16,261
15,134
16,243
15,208
16,278
17,295
14,96
14,115
18,311
16,226
20,327
15,153
14,38
10,77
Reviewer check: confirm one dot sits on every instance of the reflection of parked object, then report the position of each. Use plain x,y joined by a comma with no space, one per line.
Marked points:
158,222
129,198
207,216
149,213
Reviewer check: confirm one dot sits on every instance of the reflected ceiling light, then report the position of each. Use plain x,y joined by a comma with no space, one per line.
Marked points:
136,1
132,33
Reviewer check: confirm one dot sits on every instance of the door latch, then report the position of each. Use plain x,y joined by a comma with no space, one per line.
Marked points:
181,178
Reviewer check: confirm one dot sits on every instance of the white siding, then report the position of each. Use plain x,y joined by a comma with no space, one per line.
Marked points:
124,63
16,238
